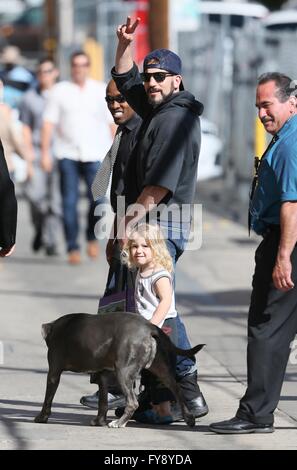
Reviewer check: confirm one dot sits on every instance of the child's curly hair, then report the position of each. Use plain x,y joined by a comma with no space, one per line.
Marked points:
155,240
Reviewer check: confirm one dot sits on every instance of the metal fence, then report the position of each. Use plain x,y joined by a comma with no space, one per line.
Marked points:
221,67
97,19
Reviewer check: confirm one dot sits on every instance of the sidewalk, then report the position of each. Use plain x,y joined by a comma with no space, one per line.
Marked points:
213,286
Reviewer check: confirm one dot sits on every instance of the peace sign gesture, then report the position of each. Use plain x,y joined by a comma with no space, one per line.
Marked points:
125,31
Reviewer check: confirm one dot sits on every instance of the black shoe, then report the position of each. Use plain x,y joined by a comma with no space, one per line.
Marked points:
189,388
197,406
51,250
240,426
91,401
37,241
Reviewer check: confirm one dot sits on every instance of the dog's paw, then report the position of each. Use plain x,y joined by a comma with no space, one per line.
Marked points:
41,418
116,424
98,422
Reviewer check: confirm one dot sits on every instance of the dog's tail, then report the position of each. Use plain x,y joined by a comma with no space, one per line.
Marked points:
159,334
186,352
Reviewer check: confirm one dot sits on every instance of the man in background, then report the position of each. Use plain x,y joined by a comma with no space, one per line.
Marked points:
42,188
84,129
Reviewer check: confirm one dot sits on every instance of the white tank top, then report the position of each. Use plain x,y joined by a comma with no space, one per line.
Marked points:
146,300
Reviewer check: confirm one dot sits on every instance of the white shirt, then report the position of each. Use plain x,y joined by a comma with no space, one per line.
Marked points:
82,120
146,300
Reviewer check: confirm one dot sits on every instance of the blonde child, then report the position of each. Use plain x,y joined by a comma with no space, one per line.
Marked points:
154,299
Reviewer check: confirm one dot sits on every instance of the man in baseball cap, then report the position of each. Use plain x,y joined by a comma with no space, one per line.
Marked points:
161,75
162,170
164,59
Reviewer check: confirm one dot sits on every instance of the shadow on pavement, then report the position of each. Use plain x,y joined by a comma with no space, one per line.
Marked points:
46,294
229,306
11,416
19,415
38,404
37,371
48,260
288,397
237,298
12,430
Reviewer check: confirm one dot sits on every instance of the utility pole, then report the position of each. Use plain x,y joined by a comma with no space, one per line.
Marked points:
158,24
50,30
65,15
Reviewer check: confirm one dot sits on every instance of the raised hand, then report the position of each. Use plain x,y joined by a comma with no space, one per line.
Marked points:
126,31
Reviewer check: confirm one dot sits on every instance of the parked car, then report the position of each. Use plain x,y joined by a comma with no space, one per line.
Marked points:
285,20
210,159
231,14
10,10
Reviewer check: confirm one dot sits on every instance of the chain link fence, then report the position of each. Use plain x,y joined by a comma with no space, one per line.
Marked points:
221,67
99,19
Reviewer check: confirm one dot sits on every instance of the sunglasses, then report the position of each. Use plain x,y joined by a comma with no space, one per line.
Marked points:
158,76
111,99
45,71
77,65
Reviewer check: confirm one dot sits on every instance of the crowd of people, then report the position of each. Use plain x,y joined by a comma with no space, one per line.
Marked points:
62,129
153,161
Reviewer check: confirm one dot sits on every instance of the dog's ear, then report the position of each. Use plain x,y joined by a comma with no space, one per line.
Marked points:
45,330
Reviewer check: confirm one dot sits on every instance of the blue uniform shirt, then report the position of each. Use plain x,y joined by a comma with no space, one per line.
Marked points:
277,180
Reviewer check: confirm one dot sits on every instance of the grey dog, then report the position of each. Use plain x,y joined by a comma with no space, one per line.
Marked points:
121,342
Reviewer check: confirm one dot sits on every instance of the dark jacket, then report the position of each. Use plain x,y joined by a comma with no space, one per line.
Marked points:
8,205
127,143
168,142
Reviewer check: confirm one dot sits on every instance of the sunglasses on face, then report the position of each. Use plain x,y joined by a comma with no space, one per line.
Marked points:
158,76
111,99
45,71
76,65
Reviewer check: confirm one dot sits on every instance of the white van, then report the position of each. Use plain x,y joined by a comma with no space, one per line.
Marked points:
210,158
284,20
231,13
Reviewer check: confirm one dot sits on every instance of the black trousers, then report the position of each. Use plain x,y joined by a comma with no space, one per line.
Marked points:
272,325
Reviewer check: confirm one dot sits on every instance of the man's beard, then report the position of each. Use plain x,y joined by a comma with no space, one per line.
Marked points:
163,98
